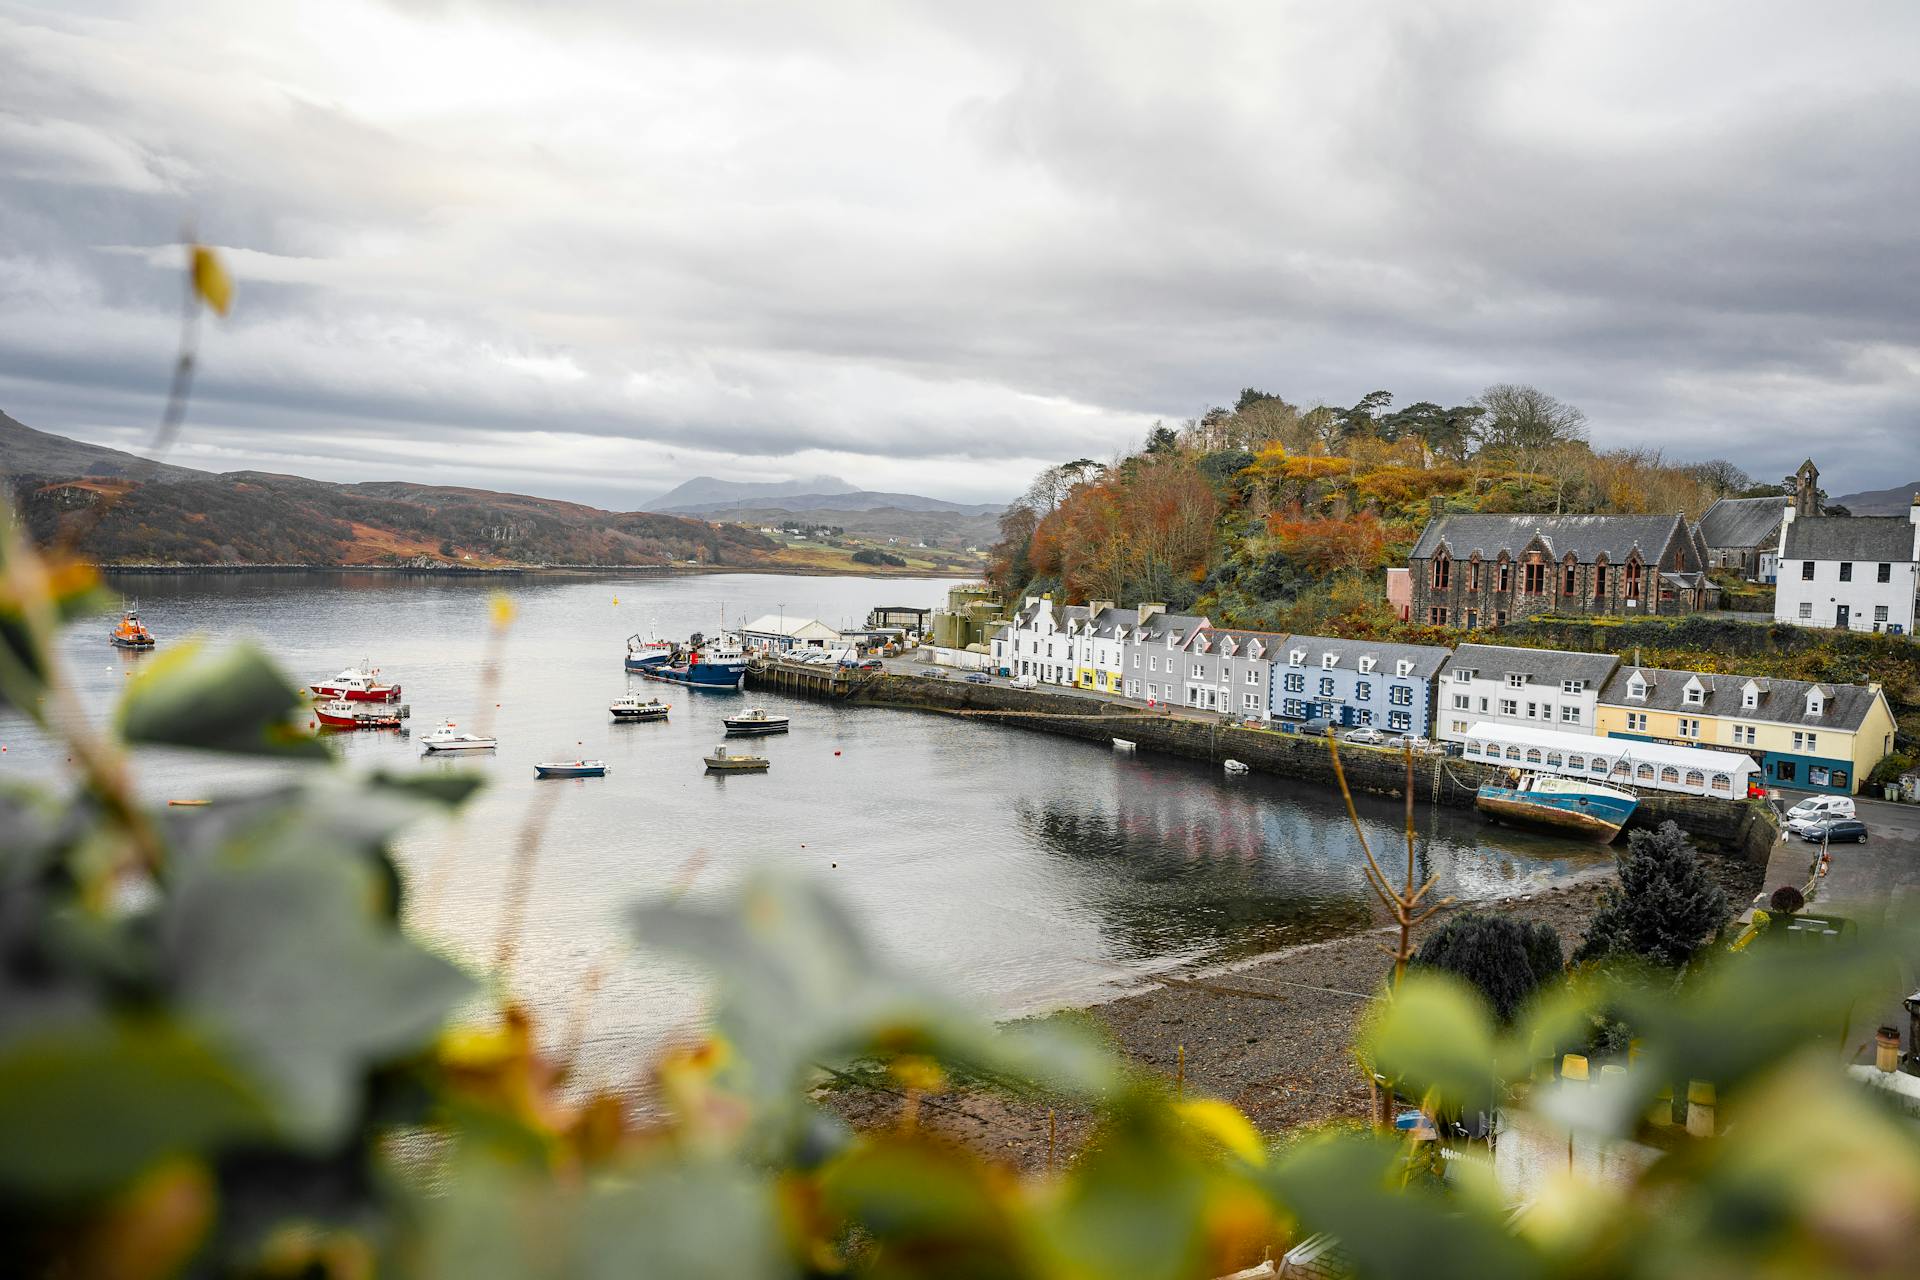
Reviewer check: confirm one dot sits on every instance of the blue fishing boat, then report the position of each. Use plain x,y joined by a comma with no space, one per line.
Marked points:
1562,804
702,662
572,769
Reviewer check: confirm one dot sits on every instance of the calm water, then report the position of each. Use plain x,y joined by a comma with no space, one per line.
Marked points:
1026,870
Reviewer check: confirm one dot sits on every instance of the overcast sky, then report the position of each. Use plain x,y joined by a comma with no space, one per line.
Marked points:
590,250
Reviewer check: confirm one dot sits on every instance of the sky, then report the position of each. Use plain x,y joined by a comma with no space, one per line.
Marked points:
589,250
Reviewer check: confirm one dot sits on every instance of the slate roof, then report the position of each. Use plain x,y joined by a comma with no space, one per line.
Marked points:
1427,659
1850,538
1160,624
1587,537
1271,641
1744,522
1781,701
1497,661
1113,623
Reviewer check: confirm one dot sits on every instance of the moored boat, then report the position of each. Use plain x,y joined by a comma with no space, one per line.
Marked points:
1234,766
702,662
131,633
571,769
755,722
724,761
1124,744
633,707
339,713
1560,804
449,738
357,684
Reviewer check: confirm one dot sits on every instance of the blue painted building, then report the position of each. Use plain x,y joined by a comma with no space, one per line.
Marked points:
1356,682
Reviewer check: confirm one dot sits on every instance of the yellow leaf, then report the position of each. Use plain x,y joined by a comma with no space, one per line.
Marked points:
916,1072
1223,1123
503,609
210,279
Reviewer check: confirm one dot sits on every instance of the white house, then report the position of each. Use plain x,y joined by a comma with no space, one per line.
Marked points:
1099,643
1853,573
1155,652
1039,641
779,633
1507,685
1229,670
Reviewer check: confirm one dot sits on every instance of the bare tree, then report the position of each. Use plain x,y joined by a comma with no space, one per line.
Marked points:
1524,422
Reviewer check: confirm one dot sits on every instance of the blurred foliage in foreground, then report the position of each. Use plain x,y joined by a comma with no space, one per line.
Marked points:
222,1054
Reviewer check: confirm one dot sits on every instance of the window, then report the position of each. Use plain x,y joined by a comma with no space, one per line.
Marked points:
1363,691
1637,689
1366,716
1368,663
1437,616
1806,609
1516,681
1295,682
1326,686
1253,675
1554,761
1689,727
1636,722
1846,571
1459,726
1599,764
1575,687
1743,735
1886,573
1400,695
1695,778
1576,762
1533,710
1806,571
1442,572
1460,701
1536,579
1783,770
1839,779
1722,783
1294,708
1153,664
1599,581
1508,707
1533,755
1670,775
1473,575
1248,702
1644,773
1198,671
1404,667
1499,617
1328,661
1879,613
1506,576
1399,720
1297,657
1693,695
1462,676
1483,706
1570,581
1569,714
1750,697
1805,741
1634,569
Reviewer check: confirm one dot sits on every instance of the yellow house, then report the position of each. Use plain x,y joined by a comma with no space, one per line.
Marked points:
1816,737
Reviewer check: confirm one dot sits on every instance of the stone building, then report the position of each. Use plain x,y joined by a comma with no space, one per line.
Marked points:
1485,571
1854,573
1743,534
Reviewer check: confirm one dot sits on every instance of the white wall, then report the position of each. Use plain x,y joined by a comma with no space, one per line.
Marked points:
1822,596
1485,694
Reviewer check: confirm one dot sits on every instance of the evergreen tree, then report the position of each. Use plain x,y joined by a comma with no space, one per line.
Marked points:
1665,907
1505,959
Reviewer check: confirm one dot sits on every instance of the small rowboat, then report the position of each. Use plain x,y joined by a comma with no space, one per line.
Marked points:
1235,766
633,707
1124,744
754,721
571,769
723,761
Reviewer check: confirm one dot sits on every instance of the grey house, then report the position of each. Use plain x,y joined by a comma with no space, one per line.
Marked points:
1357,682
1229,670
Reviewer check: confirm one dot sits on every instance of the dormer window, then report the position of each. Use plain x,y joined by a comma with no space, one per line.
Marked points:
1637,688
1816,705
1366,664
1515,680
1750,696
1328,661
1695,694
1404,667
1296,657
1255,649
1463,675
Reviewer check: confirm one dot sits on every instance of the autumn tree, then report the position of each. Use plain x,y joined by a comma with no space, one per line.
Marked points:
1523,422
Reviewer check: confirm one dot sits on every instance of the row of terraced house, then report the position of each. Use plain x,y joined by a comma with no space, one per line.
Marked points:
1816,736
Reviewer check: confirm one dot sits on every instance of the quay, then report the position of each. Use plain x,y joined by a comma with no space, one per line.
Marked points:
1748,828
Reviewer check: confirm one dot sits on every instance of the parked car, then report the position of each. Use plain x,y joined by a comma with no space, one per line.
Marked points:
1394,742
1315,728
873,664
1823,807
1026,682
979,677
1834,831
933,673
1366,736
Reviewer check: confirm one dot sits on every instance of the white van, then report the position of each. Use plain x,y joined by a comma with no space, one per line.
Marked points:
1026,682
1822,807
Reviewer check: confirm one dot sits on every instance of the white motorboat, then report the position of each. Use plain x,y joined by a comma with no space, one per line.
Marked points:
449,738
755,720
633,707
1235,766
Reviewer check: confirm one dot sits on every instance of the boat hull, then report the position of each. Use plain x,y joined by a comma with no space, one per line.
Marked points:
748,729
461,746
659,714
570,771
122,642
1598,817
697,675
742,765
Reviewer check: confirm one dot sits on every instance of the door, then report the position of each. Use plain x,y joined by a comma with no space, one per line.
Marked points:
1840,617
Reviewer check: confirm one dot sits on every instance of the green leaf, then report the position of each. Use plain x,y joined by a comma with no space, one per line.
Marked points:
288,964
932,1208
84,1109
1432,1037
445,790
235,701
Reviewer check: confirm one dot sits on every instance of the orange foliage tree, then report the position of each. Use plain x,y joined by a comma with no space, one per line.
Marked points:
1322,545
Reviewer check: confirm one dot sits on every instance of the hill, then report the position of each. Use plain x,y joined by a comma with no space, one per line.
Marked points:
816,503
1880,502
950,529
177,515
25,451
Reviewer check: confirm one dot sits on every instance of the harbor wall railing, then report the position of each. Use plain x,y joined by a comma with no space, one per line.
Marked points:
1748,828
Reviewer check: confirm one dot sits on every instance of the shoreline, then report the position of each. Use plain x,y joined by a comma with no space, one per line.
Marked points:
1271,1033
513,571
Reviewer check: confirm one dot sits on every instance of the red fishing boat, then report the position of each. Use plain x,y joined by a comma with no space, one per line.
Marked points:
357,684
131,633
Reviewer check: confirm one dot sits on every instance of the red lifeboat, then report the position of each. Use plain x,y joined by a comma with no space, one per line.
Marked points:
357,685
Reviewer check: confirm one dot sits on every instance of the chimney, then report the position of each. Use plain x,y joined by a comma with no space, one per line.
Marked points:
1435,505
1097,607
1151,609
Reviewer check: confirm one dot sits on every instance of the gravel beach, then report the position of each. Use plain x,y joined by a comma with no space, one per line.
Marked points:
1272,1035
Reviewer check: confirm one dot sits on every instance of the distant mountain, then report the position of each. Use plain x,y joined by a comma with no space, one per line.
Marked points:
707,491
815,503
25,451
1879,502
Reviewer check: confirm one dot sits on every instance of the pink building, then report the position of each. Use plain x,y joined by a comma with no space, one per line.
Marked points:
1400,592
